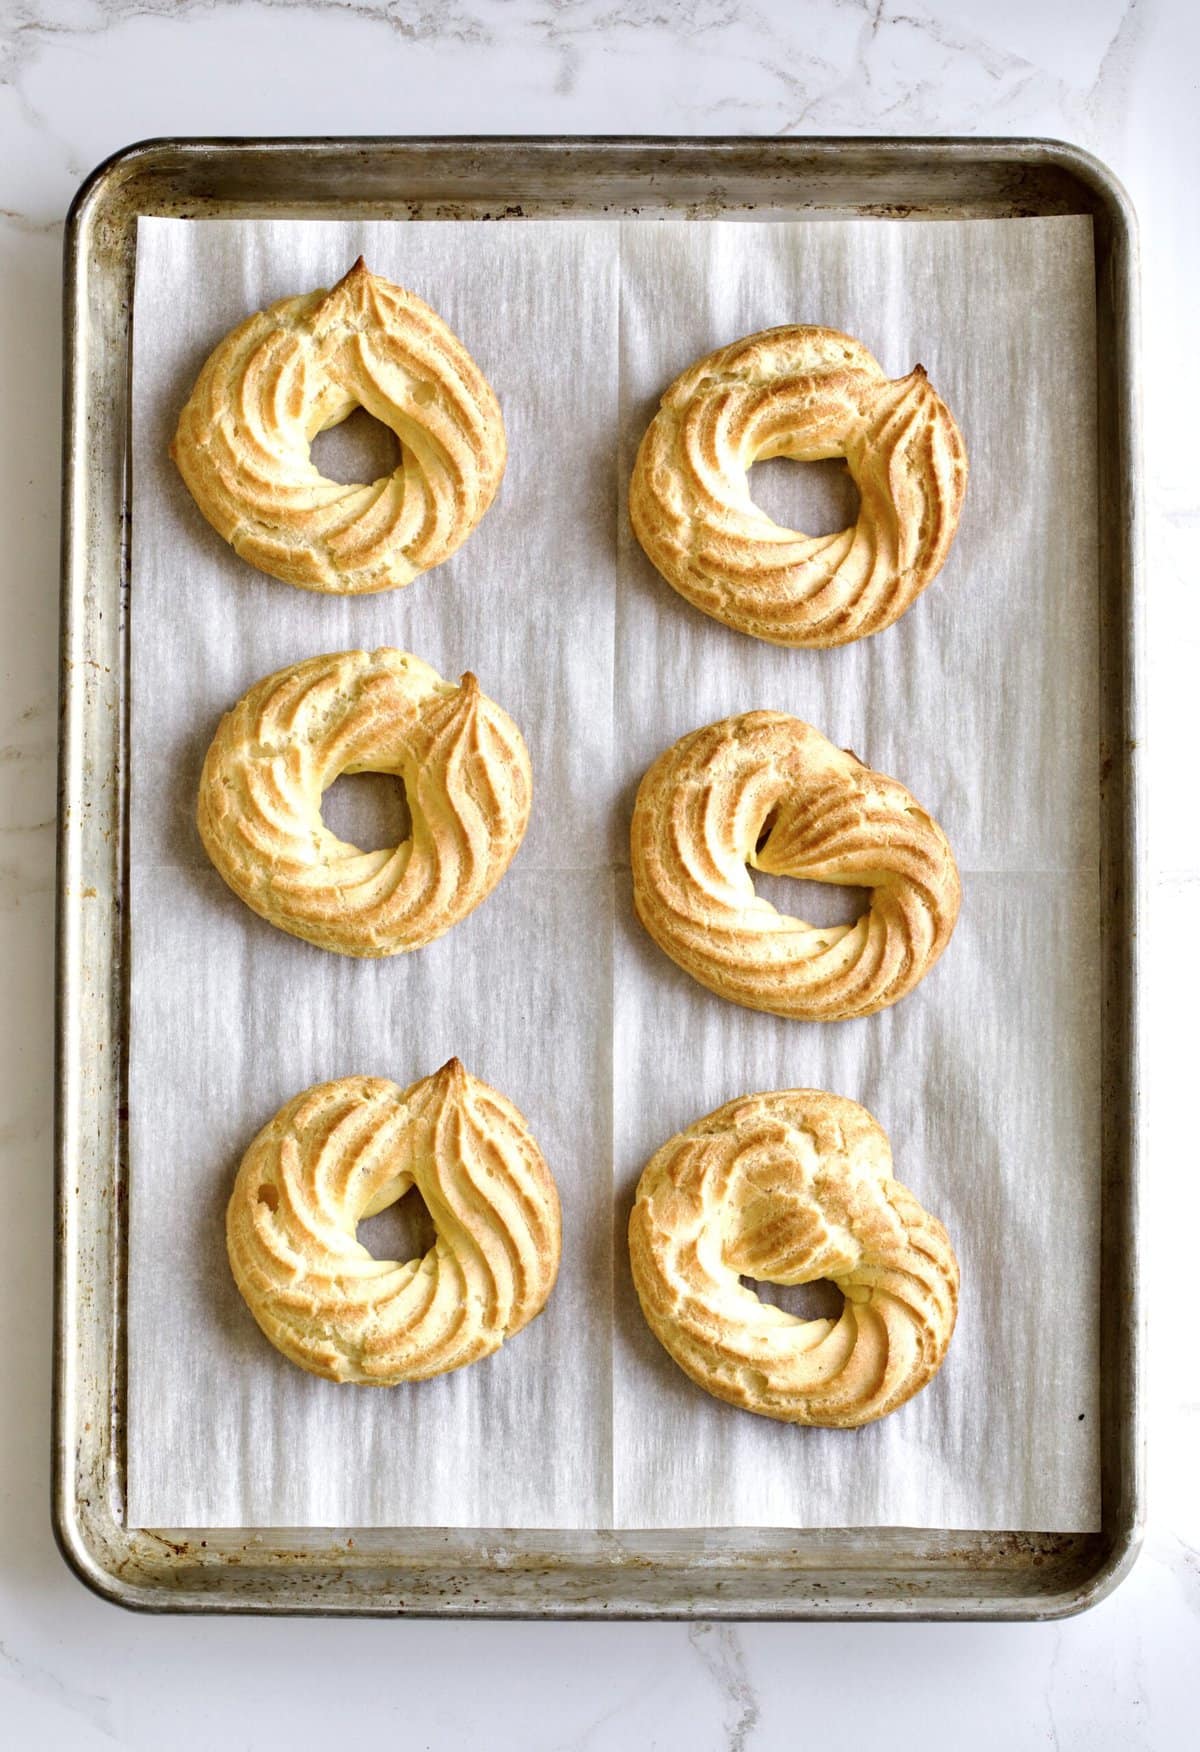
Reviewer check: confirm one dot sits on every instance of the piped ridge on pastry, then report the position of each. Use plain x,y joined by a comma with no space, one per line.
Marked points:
343,1151
766,791
466,774
792,1187
807,393
303,365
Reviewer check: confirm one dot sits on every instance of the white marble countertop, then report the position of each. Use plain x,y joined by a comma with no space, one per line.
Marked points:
80,78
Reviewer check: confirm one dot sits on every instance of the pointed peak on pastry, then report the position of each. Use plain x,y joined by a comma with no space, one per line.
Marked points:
355,286
452,1076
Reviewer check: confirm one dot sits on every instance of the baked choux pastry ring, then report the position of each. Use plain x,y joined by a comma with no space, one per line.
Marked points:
466,774
789,1188
341,1152
768,792
806,393
303,365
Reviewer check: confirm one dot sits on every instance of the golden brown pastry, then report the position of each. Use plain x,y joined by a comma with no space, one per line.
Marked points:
465,770
303,365
343,1151
767,792
789,1188
806,393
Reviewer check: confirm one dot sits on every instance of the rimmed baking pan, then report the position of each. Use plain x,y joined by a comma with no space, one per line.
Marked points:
767,1573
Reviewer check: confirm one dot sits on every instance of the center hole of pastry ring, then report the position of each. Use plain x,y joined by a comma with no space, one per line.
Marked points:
403,1232
814,499
356,449
823,905
819,1300
368,811
826,906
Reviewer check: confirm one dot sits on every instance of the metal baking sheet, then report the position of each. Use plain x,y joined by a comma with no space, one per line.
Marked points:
736,1574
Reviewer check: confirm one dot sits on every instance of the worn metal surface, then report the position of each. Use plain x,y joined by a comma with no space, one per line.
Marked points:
846,1573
